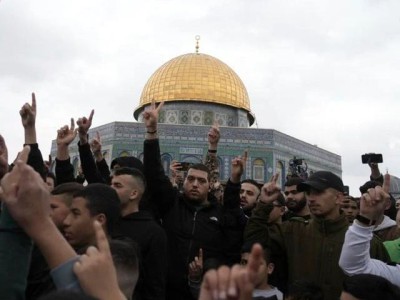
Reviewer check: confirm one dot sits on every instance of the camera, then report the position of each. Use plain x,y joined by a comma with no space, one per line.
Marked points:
298,167
371,158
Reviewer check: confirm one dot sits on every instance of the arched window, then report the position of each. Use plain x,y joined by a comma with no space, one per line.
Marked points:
166,161
280,169
258,170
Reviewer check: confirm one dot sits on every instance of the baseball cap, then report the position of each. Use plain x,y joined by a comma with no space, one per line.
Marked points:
320,181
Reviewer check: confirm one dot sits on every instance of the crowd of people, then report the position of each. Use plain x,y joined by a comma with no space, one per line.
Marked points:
129,231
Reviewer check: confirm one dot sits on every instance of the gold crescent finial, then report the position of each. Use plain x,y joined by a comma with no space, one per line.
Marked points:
197,37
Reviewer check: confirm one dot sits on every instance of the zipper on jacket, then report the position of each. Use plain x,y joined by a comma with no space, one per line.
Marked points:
191,239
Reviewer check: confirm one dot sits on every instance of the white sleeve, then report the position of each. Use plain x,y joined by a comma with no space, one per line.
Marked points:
355,257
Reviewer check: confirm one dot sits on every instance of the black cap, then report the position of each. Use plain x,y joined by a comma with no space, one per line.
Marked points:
320,181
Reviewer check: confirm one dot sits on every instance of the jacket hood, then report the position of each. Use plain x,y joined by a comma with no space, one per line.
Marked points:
386,223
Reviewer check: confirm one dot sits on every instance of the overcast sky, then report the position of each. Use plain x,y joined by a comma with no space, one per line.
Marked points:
326,72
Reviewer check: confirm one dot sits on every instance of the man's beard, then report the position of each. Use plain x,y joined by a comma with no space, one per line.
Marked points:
296,206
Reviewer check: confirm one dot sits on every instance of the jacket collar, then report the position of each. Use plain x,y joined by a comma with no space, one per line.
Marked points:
331,226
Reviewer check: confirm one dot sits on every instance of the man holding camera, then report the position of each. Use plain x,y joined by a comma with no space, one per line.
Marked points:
385,226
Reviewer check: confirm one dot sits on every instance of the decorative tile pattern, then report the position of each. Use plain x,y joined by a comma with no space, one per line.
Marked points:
184,117
221,119
172,117
208,118
265,145
231,121
196,117
161,116
243,121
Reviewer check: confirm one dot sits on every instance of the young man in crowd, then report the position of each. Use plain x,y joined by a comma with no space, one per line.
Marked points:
138,225
192,220
296,201
313,248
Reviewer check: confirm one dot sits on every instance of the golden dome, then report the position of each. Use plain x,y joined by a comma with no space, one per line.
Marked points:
198,77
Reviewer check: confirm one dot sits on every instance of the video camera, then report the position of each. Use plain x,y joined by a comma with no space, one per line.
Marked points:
298,167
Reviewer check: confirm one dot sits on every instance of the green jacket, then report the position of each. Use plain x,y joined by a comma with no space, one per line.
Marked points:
311,249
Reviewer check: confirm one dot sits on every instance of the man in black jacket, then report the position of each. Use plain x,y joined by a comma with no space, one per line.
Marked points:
140,226
192,220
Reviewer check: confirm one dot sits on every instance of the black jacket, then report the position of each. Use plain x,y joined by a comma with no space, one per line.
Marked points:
188,228
152,241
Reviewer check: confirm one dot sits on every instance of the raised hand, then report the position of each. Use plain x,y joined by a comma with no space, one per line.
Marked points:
150,117
196,267
270,190
3,157
213,136
95,144
376,200
65,135
28,113
236,283
96,271
237,167
83,127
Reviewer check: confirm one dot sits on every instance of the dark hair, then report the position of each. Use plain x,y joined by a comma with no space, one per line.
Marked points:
67,191
305,290
125,256
102,199
52,176
294,180
370,287
66,295
67,188
201,167
125,253
253,182
127,161
136,173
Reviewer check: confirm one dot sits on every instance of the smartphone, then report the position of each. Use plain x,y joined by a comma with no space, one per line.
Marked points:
185,166
371,158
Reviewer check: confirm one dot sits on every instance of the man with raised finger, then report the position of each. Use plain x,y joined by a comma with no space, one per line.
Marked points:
311,249
355,257
192,220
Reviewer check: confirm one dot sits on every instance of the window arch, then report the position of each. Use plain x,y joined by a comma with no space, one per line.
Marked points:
258,170
280,169
166,159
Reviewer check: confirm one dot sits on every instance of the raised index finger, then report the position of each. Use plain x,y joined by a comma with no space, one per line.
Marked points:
160,106
23,155
245,153
33,102
102,242
274,178
386,183
91,115
254,259
72,124
201,254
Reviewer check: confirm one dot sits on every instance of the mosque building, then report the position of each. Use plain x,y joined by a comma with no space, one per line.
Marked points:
197,90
